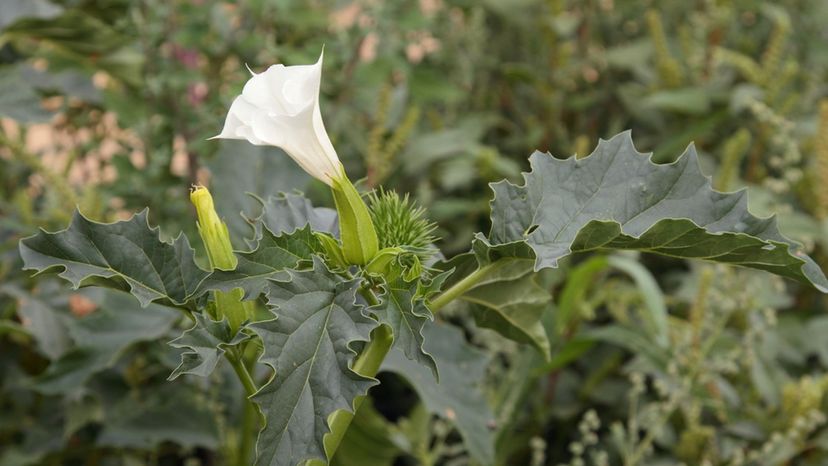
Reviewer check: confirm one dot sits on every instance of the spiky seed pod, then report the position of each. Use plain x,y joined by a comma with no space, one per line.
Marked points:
401,223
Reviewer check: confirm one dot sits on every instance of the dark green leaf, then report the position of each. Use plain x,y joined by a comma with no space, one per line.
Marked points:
406,314
618,199
68,82
18,99
689,101
570,351
129,250
12,10
288,212
573,295
159,415
41,319
309,345
272,255
102,336
428,149
455,397
633,339
205,343
654,311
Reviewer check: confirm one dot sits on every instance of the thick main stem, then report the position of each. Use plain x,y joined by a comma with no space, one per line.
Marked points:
250,423
250,414
459,288
241,371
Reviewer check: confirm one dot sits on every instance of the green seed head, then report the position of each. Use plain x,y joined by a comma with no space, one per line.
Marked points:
402,223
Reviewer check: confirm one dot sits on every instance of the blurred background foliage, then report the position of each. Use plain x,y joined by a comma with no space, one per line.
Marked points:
107,104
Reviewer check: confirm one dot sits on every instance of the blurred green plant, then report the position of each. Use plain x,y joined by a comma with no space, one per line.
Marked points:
435,99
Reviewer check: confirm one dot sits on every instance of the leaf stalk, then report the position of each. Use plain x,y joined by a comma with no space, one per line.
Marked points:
459,288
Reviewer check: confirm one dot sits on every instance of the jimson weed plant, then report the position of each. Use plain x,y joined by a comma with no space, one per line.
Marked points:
322,300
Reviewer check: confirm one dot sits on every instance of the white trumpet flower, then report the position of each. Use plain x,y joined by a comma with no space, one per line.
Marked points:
280,107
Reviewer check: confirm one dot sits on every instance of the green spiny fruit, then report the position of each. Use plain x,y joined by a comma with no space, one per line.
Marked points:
401,223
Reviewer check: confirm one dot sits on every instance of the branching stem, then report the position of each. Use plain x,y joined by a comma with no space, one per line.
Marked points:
457,290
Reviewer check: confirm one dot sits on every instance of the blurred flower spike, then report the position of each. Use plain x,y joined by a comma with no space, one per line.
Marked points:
280,107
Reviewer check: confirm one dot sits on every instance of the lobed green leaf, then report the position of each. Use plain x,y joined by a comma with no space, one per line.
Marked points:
310,345
271,257
401,309
616,198
288,212
129,250
205,343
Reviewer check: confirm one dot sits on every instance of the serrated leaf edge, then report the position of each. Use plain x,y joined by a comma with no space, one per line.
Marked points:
76,284
690,151
317,260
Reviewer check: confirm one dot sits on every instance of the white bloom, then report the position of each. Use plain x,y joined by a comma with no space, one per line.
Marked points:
280,107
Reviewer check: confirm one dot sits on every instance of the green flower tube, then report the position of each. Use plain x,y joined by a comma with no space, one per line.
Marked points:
356,228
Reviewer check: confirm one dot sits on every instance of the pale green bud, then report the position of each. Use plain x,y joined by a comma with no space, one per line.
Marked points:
216,239
213,231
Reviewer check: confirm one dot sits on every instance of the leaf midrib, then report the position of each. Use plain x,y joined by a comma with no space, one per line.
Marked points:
312,360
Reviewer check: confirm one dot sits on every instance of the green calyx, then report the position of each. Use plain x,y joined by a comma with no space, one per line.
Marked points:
382,262
359,238
333,251
395,263
213,232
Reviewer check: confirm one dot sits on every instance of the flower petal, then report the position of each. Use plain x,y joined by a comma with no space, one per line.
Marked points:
280,107
236,126
259,93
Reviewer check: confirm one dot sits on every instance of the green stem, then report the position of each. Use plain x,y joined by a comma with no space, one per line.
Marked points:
459,288
244,375
250,424
367,364
250,414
